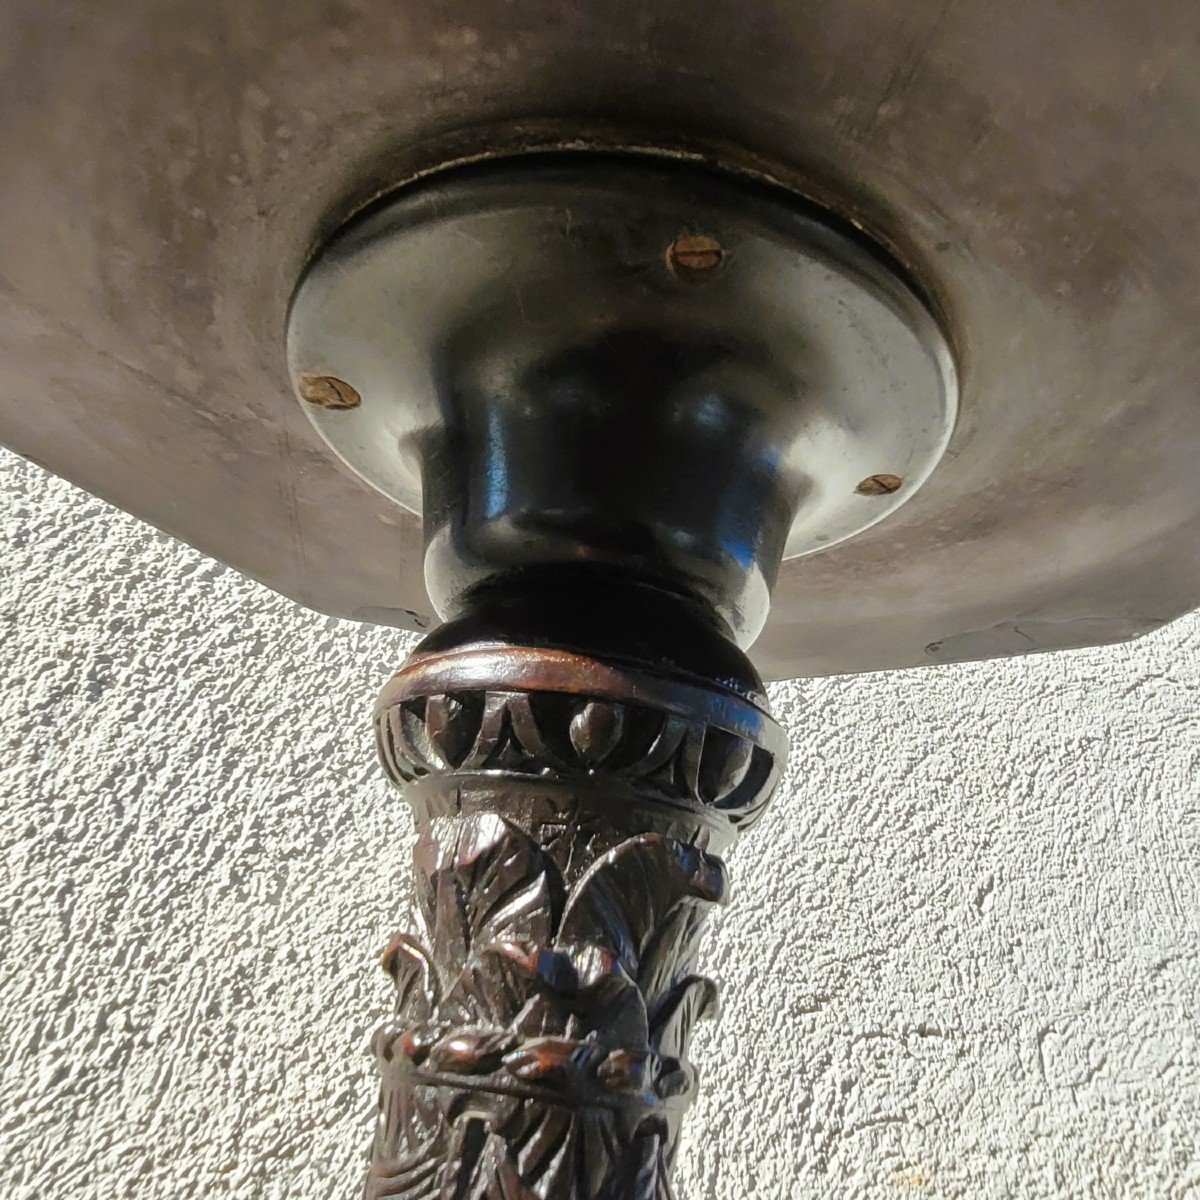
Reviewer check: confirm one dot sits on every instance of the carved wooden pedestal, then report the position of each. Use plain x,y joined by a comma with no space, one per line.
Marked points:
619,392
571,806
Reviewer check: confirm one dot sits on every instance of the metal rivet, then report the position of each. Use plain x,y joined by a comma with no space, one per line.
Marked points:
694,255
879,485
327,392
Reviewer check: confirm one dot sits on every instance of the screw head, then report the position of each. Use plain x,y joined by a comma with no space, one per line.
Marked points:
694,256
327,392
879,485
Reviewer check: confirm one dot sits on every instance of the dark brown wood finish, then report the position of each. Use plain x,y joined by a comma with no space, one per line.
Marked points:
571,808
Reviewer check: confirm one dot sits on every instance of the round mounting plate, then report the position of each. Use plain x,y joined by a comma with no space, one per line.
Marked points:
852,377
1035,165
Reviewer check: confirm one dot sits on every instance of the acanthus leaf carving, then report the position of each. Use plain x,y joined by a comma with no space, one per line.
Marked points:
543,1014
492,883
645,900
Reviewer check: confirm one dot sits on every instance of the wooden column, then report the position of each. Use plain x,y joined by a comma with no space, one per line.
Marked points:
571,809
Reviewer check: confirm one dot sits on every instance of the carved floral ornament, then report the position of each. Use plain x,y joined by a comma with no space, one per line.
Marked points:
540,1032
543,1013
653,752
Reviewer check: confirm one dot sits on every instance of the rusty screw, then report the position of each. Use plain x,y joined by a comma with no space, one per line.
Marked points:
327,392
694,256
879,485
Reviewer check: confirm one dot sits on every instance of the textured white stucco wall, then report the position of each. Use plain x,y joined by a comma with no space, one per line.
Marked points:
962,958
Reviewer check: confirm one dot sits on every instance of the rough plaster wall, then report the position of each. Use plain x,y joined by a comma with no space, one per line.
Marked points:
963,957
